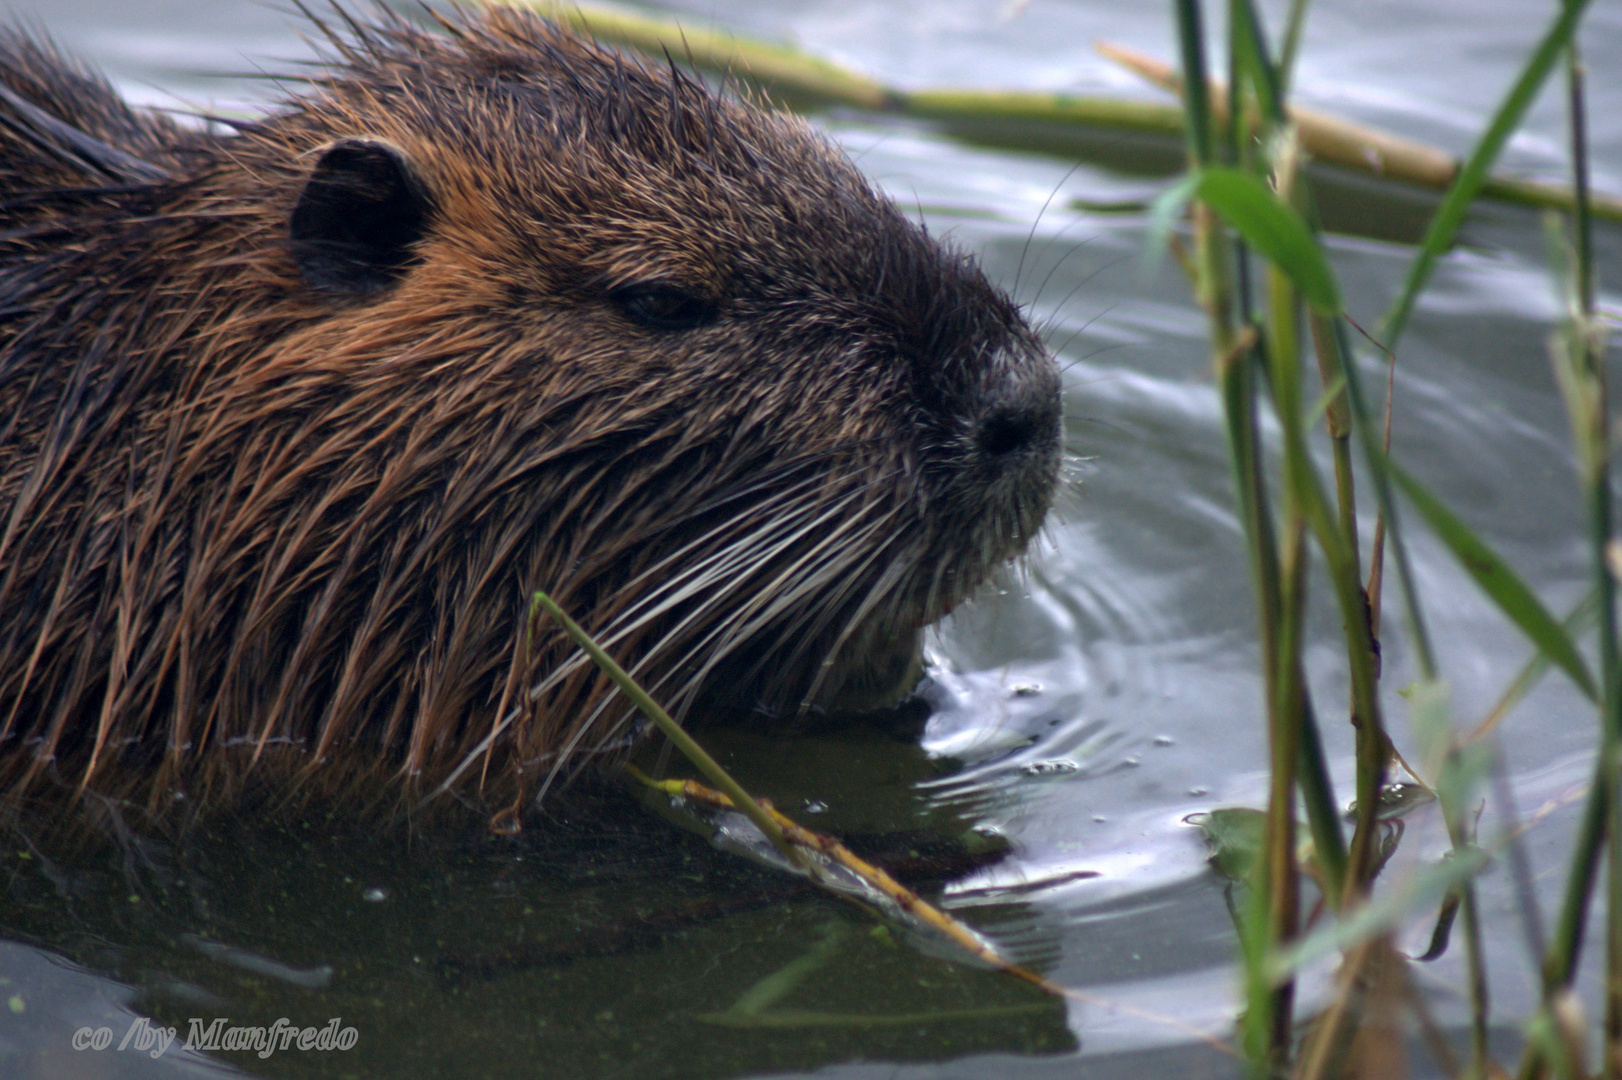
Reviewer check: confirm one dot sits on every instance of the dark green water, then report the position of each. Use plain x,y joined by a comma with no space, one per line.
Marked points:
1078,716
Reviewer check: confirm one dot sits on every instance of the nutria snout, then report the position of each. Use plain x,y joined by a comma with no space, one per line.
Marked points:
296,414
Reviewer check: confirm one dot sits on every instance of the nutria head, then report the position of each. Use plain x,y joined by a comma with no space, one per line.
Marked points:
304,412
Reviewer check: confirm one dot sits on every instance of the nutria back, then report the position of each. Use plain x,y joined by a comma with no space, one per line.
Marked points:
296,416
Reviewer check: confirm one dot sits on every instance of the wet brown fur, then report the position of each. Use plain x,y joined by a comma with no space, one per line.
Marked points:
250,523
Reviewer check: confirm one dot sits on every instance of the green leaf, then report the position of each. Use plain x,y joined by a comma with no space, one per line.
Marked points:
1473,174
1234,835
1164,214
1461,777
1457,771
1431,713
1422,889
1499,582
1578,621
1274,228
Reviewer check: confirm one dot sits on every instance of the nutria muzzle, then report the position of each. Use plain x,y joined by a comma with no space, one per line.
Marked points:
297,414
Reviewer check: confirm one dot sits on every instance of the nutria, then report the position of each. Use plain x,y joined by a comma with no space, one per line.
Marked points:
297,413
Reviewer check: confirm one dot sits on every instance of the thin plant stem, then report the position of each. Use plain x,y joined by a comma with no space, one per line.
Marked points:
1270,92
1359,606
1237,144
1592,355
1582,218
1578,358
1346,576
1324,1050
1514,847
1424,655
1265,1037
1286,717
1280,137
1458,833
1590,422
1318,795
1560,965
1376,588
1338,419
1196,85
671,730
1341,552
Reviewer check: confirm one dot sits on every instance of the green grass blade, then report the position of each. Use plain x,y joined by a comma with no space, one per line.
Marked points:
1424,888
1578,621
1473,174
1499,581
1291,44
1252,54
1275,230
1164,214
1456,770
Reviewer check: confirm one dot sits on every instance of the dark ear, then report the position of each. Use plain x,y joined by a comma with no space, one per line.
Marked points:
359,215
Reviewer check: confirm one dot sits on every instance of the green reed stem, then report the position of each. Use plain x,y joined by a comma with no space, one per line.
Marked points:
1302,482
1267,1017
1593,354
1287,712
1268,1011
1318,795
1338,419
1586,396
1368,432
1459,833
1560,965
1438,238
1269,83
1344,574
1300,477
1196,86
1578,354
1285,676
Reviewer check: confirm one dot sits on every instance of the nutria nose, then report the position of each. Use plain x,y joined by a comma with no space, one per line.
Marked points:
1024,417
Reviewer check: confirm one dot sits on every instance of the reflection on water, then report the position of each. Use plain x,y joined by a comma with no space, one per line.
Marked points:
606,943
1079,714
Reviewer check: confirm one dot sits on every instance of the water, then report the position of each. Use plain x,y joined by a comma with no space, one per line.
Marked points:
1079,716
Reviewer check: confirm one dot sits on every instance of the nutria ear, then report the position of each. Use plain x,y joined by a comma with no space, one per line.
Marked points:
358,216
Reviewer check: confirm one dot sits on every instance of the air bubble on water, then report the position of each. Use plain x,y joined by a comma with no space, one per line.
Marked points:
1051,767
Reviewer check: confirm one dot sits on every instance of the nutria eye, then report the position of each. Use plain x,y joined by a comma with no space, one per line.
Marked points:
659,306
